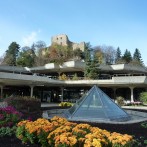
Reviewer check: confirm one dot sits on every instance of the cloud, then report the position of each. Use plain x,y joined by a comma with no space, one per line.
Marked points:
29,39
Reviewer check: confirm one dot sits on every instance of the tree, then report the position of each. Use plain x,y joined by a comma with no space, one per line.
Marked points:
106,54
77,53
1,59
109,54
11,54
39,45
137,57
127,56
118,55
87,51
59,53
91,68
40,48
100,56
26,57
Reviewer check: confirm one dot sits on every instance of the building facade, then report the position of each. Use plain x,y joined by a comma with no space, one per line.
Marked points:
46,82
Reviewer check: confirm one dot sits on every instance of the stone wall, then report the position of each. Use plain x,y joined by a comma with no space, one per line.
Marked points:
60,39
63,40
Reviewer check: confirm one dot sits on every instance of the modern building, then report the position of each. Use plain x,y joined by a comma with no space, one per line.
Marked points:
43,81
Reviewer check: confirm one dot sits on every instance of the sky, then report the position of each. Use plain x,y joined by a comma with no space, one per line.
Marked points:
117,23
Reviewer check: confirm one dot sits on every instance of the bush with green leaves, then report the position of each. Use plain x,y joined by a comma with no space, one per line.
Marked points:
120,100
143,97
65,104
7,131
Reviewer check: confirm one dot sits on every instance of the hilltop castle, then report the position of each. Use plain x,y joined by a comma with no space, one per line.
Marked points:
63,40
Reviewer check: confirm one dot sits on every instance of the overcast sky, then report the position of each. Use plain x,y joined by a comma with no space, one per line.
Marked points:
114,23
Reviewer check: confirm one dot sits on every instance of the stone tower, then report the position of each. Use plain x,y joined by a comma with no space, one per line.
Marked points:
63,40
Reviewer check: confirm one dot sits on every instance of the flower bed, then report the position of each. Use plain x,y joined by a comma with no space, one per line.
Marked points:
58,132
9,116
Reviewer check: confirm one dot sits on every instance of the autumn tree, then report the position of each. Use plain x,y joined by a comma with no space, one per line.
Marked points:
99,54
106,54
11,54
59,54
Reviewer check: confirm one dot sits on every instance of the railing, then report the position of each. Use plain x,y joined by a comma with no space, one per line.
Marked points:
102,77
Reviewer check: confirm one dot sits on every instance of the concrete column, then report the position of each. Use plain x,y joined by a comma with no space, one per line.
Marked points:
1,91
62,93
132,95
114,93
32,88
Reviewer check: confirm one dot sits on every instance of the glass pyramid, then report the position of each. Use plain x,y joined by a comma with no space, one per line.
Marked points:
96,106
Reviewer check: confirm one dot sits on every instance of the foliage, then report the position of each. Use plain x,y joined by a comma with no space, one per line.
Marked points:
137,57
109,54
77,53
7,131
140,142
143,97
75,77
26,57
91,69
9,116
100,56
61,133
63,77
118,55
41,51
127,56
59,54
120,100
105,54
65,104
27,104
11,54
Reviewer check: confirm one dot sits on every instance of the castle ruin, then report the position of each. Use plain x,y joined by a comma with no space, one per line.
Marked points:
63,40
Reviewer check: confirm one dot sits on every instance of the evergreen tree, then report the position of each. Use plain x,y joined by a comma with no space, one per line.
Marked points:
87,51
118,55
91,64
87,58
11,54
137,57
127,56
94,70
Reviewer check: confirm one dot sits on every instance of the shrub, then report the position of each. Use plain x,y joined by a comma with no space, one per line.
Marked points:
63,77
65,104
143,97
7,131
120,100
9,116
27,104
75,77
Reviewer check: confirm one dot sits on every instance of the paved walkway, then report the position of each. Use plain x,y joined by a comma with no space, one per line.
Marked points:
135,107
49,104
